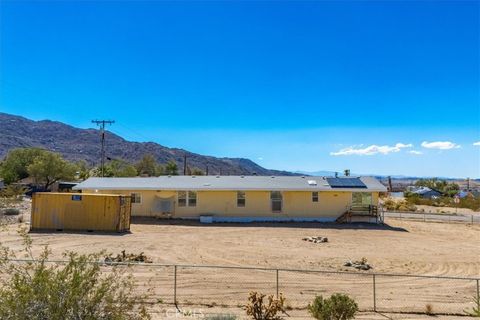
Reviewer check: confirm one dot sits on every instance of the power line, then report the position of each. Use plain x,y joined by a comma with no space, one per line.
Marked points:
101,124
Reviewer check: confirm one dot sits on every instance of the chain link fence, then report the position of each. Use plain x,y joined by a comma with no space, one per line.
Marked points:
432,217
228,287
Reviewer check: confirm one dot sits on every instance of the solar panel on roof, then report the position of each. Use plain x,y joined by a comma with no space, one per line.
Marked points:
346,183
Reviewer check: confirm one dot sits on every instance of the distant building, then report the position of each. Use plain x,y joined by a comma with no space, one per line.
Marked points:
63,186
468,194
425,192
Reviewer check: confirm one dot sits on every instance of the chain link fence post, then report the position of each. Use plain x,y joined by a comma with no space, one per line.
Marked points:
374,294
277,282
478,294
175,284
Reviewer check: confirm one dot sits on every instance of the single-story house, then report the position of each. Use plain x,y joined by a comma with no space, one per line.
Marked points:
427,193
242,198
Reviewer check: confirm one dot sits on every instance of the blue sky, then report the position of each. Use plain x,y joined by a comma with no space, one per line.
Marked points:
291,85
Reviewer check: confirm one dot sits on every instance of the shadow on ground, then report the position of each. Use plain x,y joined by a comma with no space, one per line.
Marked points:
97,233
306,225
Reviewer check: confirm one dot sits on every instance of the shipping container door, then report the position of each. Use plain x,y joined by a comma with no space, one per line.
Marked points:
75,216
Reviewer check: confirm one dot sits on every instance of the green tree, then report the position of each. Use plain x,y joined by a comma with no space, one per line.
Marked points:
196,172
48,168
119,168
147,166
15,165
83,170
171,168
449,189
160,170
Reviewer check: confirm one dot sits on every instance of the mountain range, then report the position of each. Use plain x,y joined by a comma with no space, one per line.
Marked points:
84,144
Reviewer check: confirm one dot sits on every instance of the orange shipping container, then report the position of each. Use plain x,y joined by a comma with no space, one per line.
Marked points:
80,212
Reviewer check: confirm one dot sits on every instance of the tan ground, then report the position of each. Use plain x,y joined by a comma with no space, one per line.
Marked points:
453,210
402,247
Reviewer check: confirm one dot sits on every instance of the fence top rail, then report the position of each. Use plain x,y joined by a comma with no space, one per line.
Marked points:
194,266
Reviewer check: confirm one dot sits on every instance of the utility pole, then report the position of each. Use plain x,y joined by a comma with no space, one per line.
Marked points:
101,124
184,164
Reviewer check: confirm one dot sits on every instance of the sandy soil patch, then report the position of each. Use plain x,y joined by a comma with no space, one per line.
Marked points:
451,210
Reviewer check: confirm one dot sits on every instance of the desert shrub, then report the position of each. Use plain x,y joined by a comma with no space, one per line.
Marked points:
76,290
222,317
429,309
466,202
389,204
475,312
337,307
13,191
259,308
399,205
11,212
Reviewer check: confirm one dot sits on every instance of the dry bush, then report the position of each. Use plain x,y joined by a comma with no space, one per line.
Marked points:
429,309
398,205
259,309
337,307
475,312
78,289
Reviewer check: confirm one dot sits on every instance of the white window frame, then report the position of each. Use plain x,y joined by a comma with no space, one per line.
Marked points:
369,193
135,196
272,200
188,198
244,198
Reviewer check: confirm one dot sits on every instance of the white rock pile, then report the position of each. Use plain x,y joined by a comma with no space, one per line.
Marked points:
359,264
316,239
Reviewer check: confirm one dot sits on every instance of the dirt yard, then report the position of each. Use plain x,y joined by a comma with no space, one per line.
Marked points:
402,247
409,247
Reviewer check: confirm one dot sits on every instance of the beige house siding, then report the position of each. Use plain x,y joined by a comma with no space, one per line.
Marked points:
296,204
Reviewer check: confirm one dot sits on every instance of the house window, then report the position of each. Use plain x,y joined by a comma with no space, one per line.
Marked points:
192,198
136,198
182,198
240,199
361,198
76,197
314,196
276,199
